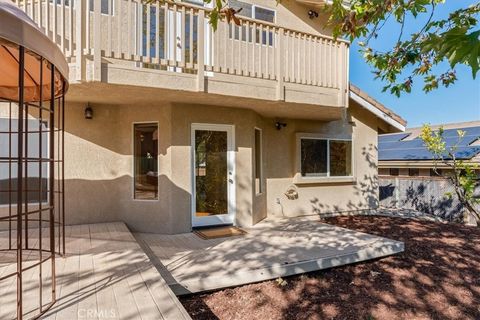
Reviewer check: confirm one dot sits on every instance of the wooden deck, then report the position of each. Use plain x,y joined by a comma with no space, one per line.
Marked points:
271,249
105,275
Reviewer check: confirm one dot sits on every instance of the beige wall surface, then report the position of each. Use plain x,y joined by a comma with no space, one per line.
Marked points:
99,165
293,15
99,184
324,197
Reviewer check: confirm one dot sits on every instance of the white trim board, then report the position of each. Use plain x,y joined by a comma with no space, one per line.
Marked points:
382,115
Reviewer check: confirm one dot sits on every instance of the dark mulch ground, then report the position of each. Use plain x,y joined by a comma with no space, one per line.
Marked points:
437,277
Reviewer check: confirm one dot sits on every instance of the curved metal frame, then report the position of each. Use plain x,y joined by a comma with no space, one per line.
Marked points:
33,211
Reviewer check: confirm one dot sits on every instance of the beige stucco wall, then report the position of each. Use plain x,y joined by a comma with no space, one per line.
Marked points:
99,165
323,197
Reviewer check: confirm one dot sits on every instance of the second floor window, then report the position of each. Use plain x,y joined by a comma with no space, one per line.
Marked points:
263,14
166,36
252,11
106,6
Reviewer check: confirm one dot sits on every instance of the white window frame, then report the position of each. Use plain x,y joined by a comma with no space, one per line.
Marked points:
299,179
112,2
266,8
232,27
90,9
266,32
133,161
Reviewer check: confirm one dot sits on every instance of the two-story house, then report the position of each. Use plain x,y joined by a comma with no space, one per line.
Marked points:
171,125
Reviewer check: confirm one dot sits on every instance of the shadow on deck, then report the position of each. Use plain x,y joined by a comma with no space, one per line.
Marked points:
273,248
104,275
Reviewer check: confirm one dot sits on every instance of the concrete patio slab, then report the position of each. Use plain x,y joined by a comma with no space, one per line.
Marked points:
272,248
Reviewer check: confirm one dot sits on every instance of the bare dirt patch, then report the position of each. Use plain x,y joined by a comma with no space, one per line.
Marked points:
437,277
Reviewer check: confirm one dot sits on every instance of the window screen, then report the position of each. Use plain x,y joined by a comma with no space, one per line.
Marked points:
246,8
340,158
314,157
264,14
251,11
325,157
103,6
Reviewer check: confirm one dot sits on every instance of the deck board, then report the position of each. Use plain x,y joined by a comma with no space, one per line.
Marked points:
270,249
104,275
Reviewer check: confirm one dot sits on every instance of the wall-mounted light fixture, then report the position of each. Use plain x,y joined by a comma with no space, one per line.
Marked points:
312,14
88,112
279,125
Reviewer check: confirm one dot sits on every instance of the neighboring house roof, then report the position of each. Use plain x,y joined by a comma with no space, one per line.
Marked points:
409,147
377,108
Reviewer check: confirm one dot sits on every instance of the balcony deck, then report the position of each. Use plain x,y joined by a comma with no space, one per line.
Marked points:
172,46
104,275
270,249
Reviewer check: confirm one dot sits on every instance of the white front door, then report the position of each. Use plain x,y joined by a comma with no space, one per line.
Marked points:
213,171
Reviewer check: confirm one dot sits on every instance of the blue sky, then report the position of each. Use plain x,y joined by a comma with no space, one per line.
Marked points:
460,102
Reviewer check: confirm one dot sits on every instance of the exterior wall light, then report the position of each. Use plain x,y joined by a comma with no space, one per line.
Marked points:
312,14
280,125
88,112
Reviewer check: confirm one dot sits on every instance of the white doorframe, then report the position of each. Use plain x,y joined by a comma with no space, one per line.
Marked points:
228,218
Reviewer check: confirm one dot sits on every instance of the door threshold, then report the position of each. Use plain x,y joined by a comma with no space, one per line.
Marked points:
213,226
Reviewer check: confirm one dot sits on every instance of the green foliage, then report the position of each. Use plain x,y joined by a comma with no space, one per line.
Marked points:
220,9
454,41
463,176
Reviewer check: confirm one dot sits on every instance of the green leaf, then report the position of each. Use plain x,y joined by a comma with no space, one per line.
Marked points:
214,19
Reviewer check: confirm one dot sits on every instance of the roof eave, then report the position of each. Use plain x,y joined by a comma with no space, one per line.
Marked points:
379,113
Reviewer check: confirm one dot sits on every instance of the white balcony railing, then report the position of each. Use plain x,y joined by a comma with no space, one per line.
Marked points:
177,37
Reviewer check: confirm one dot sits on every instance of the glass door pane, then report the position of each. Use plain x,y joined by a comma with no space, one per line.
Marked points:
211,173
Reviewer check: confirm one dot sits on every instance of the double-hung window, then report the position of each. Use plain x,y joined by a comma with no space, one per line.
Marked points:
325,157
